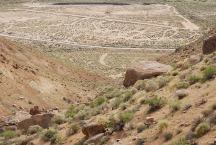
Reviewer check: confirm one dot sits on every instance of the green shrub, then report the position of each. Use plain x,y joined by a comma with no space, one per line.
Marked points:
98,101
58,120
151,85
127,95
34,129
71,112
116,102
182,85
193,79
126,116
167,136
175,106
8,134
155,103
209,73
162,81
162,125
181,141
202,129
73,129
51,135
141,127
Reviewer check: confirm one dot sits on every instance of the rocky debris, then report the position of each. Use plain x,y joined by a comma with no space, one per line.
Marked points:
209,45
35,110
43,120
186,108
144,70
180,94
95,139
149,120
194,59
200,102
93,129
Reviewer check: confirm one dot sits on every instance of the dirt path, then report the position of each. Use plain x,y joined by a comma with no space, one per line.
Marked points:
102,59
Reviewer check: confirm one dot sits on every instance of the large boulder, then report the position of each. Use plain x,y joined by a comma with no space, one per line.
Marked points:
93,129
209,45
43,120
144,70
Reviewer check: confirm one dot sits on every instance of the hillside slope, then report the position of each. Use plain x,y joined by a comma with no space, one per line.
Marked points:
29,78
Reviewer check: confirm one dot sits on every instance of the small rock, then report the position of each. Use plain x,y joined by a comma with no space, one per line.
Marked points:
186,108
194,59
181,93
150,120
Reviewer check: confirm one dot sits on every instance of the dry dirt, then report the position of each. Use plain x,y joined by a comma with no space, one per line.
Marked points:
27,75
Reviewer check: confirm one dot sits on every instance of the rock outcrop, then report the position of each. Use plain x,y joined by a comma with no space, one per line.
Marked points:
35,110
144,70
43,120
209,45
93,129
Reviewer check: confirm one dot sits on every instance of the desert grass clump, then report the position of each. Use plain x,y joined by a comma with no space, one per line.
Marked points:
73,129
126,116
8,134
58,120
141,127
34,129
167,136
98,101
71,112
116,102
151,85
182,85
155,103
209,73
162,125
175,106
163,81
181,141
193,79
202,129
51,135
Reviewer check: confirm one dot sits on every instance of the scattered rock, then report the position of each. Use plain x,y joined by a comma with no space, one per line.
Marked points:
150,120
209,45
194,59
93,129
35,110
200,102
95,139
43,120
186,108
144,70
181,93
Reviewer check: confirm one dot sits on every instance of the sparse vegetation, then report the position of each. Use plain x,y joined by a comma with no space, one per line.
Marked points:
141,127
34,129
155,103
209,73
202,129
73,129
194,79
175,106
8,134
162,125
182,85
52,136
126,116
181,141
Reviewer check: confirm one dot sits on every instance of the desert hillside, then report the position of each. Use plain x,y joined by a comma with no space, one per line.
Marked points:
30,78
107,72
